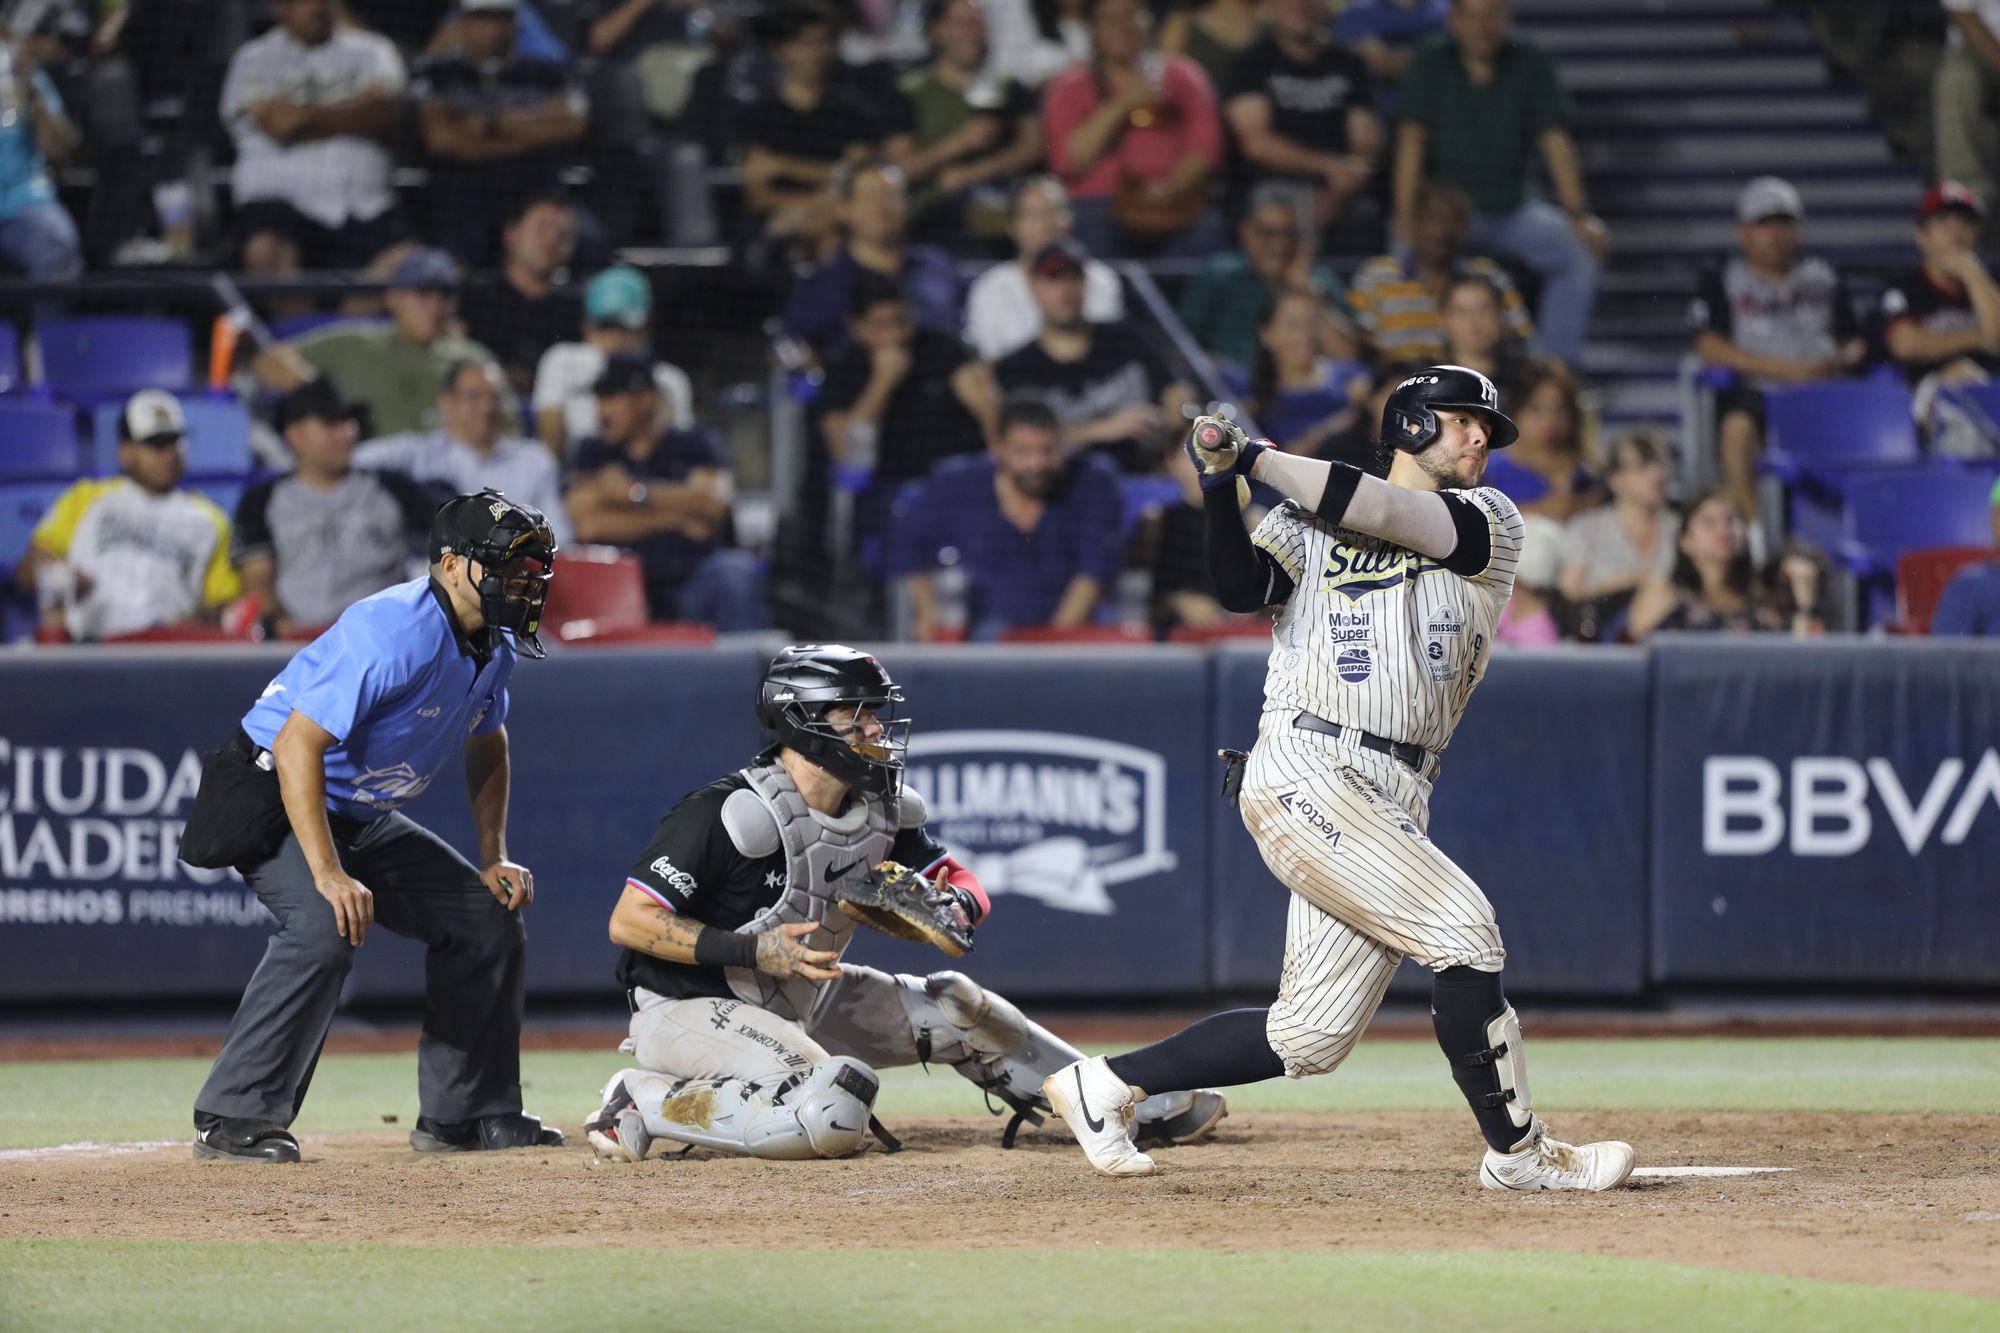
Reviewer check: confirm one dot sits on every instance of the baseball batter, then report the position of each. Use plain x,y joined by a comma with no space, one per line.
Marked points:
750,1035
1389,593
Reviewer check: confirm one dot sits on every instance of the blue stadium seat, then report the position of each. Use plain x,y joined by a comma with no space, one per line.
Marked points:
107,356
218,435
1820,428
1889,513
11,378
22,504
40,440
1141,494
225,490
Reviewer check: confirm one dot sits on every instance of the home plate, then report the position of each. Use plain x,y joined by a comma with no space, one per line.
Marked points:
1707,1171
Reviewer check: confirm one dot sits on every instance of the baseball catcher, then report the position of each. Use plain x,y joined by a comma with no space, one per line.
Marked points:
749,1033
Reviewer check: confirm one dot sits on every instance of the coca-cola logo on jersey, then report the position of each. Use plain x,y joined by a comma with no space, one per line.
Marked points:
1047,815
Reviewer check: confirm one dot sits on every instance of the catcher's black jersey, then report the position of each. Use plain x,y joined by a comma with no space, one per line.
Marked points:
690,867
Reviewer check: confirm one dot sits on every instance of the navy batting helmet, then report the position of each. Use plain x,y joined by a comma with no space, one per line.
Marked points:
1409,418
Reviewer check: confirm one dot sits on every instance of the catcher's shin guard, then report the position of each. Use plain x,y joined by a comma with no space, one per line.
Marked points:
822,1112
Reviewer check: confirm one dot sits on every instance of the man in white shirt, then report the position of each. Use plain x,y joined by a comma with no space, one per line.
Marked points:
1000,313
133,552
617,317
1965,90
470,452
311,106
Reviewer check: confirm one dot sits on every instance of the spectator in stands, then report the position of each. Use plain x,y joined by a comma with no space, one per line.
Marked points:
1797,586
967,132
1304,399
1775,316
1478,105
1000,313
1547,471
135,551
1527,620
1383,33
1970,603
617,317
393,371
471,448
1474,321
666,495
874,213
1941,321
1964,94
801,132
37,234
1610,550
1136,138
899,397
313,106
1034,531
524,314
1303,109
1108,389
1712,586
313,541
496,124
1212,33
1223,302
1035,39
661,43
1399,303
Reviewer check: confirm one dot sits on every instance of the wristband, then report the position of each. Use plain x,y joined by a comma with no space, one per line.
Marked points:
724,948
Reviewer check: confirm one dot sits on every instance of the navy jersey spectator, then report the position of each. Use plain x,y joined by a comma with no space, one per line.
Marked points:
1775,315
524,314
1109,390
1303,108
802,130
664,494
495,123
874,213
314,541
1971,601
1035,534
1383,33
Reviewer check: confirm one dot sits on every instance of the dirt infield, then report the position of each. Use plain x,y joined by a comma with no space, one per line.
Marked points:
1924,1189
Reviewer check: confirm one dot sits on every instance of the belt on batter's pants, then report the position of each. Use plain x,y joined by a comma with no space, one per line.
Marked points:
1409,753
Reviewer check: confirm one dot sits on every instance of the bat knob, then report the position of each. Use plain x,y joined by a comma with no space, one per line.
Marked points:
1209,436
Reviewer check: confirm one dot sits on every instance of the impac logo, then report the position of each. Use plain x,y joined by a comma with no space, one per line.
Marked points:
1046,815
1745,810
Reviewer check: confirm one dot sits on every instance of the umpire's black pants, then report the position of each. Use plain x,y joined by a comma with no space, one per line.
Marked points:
469,1056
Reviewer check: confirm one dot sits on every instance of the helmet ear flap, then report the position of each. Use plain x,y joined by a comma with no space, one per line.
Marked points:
1410,431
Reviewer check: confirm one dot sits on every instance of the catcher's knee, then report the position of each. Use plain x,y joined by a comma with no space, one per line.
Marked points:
825,1114
1307,1049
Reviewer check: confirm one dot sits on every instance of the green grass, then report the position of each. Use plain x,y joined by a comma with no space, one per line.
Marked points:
151,1099
70,1285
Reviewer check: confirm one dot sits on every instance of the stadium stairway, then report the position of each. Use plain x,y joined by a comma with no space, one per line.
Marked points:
1679,103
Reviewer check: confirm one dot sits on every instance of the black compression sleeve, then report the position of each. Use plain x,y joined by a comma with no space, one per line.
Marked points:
1245,578
1342,480
724,948
1475,537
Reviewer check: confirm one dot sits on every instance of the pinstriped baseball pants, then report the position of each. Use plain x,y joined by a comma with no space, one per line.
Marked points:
1344,829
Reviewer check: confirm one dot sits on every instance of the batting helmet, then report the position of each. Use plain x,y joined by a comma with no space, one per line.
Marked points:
500,533
804,682
1409,418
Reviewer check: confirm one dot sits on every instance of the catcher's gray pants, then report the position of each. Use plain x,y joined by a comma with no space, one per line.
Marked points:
469,1056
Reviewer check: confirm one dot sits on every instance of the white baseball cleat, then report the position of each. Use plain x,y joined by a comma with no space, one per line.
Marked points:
1550,1164
1098,1106
617,1132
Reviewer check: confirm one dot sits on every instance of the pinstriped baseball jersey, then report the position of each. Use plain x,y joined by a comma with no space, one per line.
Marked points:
1376,636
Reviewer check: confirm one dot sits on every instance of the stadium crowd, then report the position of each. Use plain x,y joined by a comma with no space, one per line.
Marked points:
930,200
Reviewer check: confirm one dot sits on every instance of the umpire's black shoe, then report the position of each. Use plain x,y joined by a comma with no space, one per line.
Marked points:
226,1140
515,1129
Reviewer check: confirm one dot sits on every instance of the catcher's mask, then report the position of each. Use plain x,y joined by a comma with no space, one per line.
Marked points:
803,683
516,554
1409,418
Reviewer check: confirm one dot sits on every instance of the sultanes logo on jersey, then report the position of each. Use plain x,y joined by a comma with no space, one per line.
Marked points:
1047,815
1356,571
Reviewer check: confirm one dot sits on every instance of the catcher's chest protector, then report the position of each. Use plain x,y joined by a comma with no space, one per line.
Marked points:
815,848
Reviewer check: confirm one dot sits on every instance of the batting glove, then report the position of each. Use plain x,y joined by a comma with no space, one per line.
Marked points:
1221,452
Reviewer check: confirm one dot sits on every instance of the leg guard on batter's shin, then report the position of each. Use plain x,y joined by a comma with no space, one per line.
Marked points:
822,1112
1484,1048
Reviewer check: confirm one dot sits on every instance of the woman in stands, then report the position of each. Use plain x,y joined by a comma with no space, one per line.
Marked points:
1304,400
1135,136
1612,549
1712,586
1548,471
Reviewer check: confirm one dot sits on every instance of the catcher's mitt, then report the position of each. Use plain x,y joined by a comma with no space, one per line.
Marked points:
896,900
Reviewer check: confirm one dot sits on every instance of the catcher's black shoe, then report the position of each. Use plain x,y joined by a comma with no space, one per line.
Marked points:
514,1129
226,1140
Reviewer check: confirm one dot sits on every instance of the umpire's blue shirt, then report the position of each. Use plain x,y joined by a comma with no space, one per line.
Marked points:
399,686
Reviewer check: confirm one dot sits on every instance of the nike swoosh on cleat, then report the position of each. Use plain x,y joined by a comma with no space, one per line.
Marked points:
1090,1120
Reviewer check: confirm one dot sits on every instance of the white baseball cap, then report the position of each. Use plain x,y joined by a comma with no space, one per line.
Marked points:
1769,197
152,414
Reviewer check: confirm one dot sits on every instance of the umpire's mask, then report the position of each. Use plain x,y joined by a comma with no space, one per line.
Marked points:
516,553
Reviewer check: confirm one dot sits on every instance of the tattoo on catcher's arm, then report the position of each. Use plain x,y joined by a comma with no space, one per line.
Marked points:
669,936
